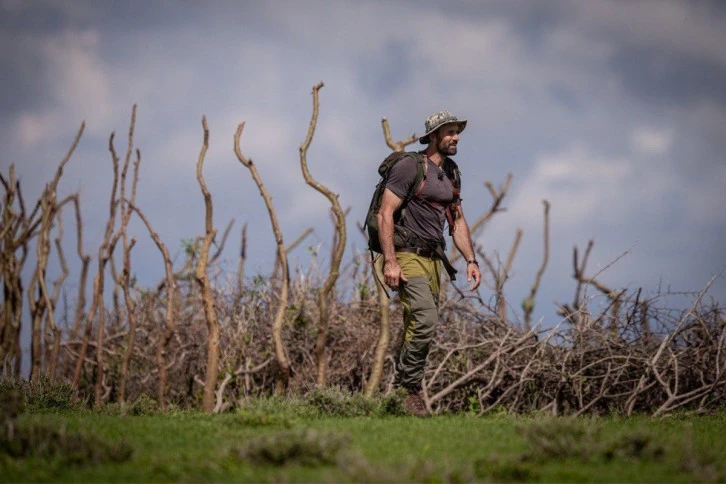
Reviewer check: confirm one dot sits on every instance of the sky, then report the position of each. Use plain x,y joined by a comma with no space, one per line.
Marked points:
614,111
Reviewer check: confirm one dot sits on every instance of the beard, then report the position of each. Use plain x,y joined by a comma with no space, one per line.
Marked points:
446,148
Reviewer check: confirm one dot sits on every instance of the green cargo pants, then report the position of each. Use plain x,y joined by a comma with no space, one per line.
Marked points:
420,300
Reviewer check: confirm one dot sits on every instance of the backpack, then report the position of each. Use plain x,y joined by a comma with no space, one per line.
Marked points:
402,236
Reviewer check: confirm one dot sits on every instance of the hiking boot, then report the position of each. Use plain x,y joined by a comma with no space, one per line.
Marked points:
413,404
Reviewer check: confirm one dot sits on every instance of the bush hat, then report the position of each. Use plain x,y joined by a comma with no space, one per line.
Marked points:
437,120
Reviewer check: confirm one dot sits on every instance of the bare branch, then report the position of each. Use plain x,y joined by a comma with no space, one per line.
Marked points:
220,247
210,380
396,145
528,303
339,241
280,352
170,295
242,260
494,208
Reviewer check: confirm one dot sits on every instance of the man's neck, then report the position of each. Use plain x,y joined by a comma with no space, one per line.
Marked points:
434,155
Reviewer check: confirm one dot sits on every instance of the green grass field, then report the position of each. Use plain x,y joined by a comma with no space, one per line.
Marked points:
277,443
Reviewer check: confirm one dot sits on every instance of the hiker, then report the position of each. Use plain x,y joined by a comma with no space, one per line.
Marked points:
412,264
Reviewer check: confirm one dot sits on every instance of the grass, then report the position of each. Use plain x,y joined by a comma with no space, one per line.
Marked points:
317,440
233,447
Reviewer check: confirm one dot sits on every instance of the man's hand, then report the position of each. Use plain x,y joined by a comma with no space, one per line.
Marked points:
393,275
473,272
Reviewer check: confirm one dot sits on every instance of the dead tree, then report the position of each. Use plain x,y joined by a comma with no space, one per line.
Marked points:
105,252
15,233
283,362
124,281
168,331
339,240
52,330
384,335
498,196
112,241
578,313
40,305
83,279
501,275
528,303
210,379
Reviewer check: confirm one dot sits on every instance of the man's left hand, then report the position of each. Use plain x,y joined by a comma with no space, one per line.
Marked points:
473,272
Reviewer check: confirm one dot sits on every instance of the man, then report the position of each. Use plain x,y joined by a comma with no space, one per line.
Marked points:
415,271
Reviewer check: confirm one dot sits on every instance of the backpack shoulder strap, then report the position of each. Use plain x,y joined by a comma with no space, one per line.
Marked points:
452,172
420,181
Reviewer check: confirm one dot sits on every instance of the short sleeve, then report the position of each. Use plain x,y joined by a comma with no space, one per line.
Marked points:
402,176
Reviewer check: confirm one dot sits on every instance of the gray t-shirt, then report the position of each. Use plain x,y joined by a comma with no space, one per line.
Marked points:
426,217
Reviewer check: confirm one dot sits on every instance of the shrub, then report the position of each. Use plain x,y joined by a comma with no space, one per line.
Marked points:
305,447
12,404
43,441
392,403
498,469
702,465
328,401
579,438
254,418
336,402
562,438
635,444
282,407
46,393
143,405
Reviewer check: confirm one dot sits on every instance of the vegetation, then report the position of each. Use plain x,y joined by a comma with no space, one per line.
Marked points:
306,439
195,341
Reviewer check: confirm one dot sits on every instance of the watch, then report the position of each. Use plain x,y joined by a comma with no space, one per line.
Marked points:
473,261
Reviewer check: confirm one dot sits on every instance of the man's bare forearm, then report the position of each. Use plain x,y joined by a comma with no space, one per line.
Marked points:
385,236
462,239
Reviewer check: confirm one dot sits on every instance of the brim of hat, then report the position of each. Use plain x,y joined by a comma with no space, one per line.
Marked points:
426,139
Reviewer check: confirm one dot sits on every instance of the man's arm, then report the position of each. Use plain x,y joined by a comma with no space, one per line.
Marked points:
390,202
462,241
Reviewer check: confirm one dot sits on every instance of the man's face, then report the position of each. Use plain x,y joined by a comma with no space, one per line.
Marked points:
446,139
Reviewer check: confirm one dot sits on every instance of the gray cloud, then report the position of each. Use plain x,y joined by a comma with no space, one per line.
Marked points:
575,87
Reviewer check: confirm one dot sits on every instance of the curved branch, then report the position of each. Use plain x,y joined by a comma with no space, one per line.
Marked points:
339,241
170,295
210,380
396,145
528,303
280,352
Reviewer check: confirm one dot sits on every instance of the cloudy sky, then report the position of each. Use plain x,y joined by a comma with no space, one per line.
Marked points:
614,111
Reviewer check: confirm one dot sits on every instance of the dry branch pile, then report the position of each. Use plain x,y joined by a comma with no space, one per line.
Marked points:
478,363
654,361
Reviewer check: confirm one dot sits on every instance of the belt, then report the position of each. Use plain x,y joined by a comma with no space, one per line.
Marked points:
430,253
